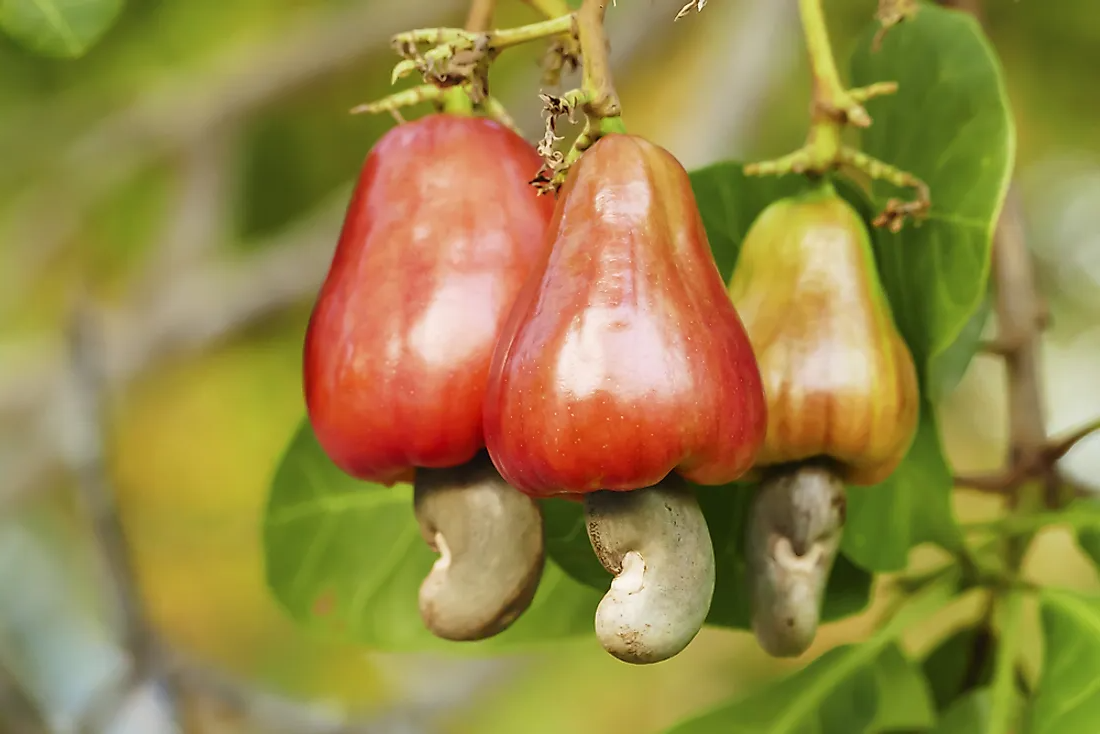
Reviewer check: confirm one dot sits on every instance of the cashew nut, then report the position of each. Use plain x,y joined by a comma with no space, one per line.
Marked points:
795,527
490,540
656,542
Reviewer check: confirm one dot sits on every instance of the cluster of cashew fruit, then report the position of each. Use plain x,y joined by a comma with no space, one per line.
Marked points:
497,348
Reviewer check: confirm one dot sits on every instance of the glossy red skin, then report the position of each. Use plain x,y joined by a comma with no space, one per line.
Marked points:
624,358
439,236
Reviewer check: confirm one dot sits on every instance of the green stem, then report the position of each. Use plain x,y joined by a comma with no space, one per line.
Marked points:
827,86
398,100
498,39
456,101
1002,707
1027,524
532,32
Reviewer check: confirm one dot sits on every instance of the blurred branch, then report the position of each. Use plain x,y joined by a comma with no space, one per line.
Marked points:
85,456
1032,454
187,108
200,209
194,308
151,664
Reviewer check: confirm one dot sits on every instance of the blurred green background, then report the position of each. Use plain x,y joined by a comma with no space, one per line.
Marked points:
189,176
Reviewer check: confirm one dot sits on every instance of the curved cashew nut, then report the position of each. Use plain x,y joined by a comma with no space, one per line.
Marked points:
795,527
656,542
490,540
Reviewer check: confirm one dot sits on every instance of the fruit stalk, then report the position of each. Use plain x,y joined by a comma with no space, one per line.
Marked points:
457,100
833,107
597,98
602,99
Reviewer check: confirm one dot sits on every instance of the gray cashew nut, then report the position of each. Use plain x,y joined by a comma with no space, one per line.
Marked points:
795,528
656,542
490,540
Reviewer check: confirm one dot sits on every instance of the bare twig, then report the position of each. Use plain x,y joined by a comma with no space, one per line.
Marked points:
1032,455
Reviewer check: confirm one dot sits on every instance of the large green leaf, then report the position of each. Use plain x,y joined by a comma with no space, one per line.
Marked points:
950,125
61,28
866,687
726,509
912,506
346,557
1068,697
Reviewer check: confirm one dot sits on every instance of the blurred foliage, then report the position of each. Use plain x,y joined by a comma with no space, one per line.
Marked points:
65,28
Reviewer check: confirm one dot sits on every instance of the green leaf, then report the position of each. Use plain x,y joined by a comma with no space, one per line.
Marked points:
912,506
947,368
59,28
950,125
843,691
966,715
1068,696
567,543
959,664
1005,702
726,510
346,557
904,696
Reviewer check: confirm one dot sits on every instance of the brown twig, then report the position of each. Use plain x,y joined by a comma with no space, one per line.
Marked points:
1021,317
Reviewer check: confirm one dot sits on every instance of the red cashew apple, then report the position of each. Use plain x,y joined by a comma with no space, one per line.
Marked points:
440,234
624,369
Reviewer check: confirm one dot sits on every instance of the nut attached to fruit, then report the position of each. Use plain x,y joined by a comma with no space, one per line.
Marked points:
623,361
398,349
842,395
490,541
